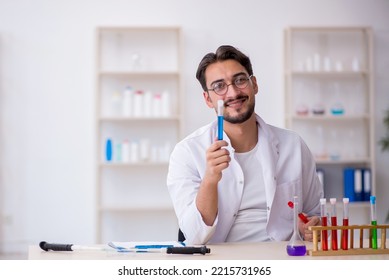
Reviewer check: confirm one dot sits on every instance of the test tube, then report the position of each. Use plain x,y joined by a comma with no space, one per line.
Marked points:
345,223
373,214
324,234
334,232
220,119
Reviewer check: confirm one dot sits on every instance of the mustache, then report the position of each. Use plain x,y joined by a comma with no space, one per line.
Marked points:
239,97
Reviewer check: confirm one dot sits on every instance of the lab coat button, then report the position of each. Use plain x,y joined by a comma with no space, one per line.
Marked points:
268,208
241,182
274,178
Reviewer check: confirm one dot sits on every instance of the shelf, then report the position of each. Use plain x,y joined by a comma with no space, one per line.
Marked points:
330,118
138,119
344,161
326,68
338,74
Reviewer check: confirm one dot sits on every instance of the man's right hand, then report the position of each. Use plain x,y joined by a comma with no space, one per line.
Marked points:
218,159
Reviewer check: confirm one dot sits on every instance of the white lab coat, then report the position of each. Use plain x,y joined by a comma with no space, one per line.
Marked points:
288,170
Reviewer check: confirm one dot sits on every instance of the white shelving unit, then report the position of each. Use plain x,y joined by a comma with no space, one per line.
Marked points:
329,100
138,97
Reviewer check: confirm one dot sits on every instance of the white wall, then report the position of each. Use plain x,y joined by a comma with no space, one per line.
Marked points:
47,91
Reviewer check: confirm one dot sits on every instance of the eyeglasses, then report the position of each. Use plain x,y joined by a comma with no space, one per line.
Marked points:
221,87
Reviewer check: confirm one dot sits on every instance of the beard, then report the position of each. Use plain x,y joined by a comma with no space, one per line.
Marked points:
241,117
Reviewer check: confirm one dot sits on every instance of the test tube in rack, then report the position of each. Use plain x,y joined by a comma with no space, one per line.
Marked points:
334,233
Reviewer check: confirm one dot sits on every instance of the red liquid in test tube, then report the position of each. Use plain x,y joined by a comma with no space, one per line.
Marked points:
334,233
324,223
325,234
345,223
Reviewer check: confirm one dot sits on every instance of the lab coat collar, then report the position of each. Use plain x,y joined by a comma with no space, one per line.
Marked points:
268,154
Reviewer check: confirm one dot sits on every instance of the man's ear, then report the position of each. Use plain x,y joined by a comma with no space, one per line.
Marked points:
208,99
255,84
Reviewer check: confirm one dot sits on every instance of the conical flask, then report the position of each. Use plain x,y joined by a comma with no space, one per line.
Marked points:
296,245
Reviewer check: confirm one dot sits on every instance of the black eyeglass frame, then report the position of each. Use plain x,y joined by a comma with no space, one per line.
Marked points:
233,83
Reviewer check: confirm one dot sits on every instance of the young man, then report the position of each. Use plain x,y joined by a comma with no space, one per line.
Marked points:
237,189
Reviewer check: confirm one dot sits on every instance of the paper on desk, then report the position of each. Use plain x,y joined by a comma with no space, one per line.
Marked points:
144,245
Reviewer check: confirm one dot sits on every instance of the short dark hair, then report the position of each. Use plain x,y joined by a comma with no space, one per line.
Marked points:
222,53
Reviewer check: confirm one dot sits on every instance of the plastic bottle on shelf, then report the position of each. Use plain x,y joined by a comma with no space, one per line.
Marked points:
308,64
327,64
165,104
116,101
157,104
127,101
316,62
154,153
334,153
321,152
144,149
355,65
108,149
138,103
125,151
118,152
134,151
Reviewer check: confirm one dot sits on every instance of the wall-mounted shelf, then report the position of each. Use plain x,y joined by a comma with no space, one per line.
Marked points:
329,99
138,121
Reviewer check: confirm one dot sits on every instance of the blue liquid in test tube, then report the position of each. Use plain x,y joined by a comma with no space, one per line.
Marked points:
220,119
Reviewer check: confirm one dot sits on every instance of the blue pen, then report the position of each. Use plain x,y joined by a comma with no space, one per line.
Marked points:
156,246
220,119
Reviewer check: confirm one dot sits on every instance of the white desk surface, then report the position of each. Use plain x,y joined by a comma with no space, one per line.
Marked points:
225,251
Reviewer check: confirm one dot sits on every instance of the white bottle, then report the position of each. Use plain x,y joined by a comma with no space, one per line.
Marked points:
134,151
138,103
157,104
127,101
316,62
165,104
154,153
125,151
144,149
327,64
116,102
355,64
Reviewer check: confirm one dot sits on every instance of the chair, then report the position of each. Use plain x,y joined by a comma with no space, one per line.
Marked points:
181,236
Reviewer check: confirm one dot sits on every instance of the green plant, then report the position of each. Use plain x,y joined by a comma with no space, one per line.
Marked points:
384,142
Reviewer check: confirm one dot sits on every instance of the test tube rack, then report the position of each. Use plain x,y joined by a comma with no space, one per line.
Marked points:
362,249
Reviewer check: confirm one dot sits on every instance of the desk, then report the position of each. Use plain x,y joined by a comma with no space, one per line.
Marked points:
223,251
